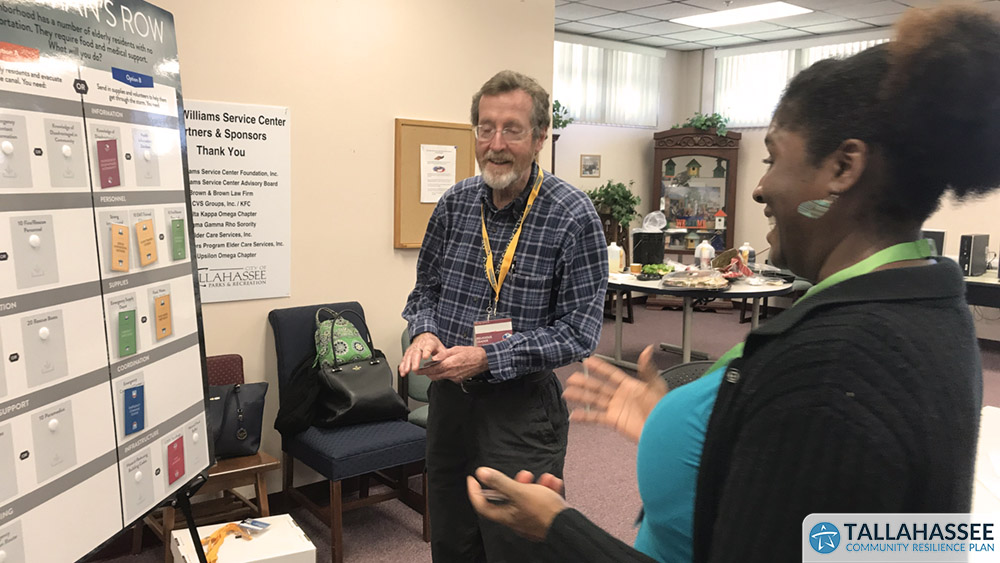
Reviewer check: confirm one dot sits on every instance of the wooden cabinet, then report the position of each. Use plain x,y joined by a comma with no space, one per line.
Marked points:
694,181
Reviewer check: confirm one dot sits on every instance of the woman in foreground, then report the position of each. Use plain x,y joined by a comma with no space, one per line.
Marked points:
865,395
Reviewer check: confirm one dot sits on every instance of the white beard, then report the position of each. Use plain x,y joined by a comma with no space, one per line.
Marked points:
500,181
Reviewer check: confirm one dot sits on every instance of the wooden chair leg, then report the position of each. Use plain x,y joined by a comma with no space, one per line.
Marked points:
169,520
287,472
364,483
336,523
137,537
260,487
427,520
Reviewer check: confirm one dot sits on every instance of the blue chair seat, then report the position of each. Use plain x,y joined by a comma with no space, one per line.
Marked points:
344,452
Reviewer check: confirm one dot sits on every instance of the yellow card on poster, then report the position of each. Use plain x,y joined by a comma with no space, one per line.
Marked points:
147,242
161,312
119,248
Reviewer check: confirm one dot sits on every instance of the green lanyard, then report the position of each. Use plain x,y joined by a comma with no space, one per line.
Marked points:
916,250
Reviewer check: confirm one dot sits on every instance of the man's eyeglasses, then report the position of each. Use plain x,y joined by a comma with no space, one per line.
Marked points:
508,134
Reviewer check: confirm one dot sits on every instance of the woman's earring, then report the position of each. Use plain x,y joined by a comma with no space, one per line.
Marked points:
816,208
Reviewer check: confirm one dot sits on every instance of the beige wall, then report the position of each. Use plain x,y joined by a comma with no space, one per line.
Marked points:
346,70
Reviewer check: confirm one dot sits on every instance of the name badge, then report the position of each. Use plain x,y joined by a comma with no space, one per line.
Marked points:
494,330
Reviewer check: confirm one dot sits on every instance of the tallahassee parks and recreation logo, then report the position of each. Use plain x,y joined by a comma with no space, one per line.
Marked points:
824,537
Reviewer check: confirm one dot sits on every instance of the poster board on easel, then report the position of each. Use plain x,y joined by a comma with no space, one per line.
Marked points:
412,214
102,388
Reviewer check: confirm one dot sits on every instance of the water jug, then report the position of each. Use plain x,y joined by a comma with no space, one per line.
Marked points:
616,258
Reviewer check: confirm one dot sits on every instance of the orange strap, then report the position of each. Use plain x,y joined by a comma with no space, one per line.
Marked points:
214,541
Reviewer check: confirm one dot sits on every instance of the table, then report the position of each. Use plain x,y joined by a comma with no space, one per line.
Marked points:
983,290
620,283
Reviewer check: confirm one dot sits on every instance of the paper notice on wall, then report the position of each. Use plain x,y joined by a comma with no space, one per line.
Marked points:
437,171
239,165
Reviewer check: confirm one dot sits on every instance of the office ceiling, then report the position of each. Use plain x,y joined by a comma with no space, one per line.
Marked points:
646,22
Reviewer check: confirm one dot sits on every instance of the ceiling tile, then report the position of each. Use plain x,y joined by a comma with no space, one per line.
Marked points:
776,35
921,3
619,35
559,21
697,35
623,5
618,20
654,41
670,11
826,4
858,11
717,5
580,28
847,25
882,20
729,41
579,12
661,28
687,47
561,2
747,28
815,18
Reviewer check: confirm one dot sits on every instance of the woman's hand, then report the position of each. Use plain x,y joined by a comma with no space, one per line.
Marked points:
610,396
527,508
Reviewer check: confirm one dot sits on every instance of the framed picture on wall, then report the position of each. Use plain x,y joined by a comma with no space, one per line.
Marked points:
590,166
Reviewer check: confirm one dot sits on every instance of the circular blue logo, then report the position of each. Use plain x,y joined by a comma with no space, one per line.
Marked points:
824,537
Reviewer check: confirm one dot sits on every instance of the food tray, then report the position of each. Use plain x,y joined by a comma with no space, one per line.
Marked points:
696,280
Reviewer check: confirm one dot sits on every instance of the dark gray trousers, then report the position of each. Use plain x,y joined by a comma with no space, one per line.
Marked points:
522,424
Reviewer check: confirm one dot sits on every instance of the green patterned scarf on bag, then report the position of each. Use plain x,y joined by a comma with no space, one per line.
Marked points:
338,341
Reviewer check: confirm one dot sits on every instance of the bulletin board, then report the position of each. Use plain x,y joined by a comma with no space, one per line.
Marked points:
411,215
102,388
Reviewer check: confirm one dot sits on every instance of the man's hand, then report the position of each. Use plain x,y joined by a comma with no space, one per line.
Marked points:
613,398
423,347
528,508
456,363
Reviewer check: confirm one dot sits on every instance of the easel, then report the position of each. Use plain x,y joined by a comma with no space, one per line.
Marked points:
182,500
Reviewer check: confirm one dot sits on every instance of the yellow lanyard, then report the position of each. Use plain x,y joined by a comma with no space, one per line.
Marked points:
508,253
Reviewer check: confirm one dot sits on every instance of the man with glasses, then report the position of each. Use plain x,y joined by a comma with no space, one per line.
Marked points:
510,285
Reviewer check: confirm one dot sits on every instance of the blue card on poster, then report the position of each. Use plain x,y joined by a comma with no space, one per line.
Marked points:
135,409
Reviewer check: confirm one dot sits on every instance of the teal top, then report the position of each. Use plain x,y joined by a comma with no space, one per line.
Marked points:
667,467
673,436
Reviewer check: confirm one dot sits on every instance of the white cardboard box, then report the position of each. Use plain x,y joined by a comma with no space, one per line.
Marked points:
986,490
283,542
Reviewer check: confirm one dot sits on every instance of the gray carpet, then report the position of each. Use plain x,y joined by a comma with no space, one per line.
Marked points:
600,465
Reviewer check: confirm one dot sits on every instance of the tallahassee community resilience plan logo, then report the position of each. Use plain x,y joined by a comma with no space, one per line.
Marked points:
831,538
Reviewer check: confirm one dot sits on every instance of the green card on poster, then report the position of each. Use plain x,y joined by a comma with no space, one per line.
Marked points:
126,333
178,245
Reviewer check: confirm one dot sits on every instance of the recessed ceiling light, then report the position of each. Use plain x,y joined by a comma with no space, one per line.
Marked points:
769,11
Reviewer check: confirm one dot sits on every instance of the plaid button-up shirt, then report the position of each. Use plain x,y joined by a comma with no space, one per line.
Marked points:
554,293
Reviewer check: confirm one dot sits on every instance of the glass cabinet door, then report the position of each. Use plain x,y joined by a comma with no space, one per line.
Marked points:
693,199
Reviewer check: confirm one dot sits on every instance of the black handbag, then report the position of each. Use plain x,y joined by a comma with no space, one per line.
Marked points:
357,392
235,414
297,400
